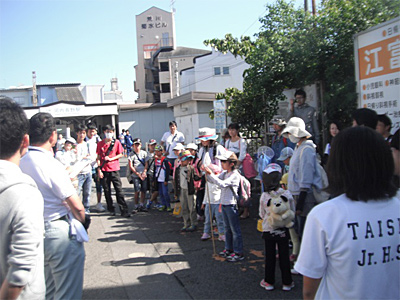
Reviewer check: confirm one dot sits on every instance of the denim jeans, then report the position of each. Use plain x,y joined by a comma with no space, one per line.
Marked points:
218,215
85,187
164,195
64,259
233,234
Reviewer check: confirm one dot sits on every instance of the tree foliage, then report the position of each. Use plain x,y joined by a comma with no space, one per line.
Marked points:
295,48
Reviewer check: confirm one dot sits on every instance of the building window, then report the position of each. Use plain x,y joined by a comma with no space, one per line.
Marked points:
164,66
165,88
221,71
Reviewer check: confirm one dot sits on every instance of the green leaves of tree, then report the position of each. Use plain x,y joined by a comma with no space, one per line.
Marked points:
293,49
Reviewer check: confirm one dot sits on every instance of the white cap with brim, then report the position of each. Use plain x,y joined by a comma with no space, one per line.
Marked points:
297,128
179,146
70,140
224,155
273,168
285,153
192,146
206,134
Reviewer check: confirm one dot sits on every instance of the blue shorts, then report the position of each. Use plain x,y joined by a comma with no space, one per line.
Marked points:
139,185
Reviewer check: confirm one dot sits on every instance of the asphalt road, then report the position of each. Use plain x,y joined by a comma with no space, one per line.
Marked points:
147,257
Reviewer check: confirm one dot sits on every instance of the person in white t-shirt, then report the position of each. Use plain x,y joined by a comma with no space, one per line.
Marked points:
350,247
169,141
85,156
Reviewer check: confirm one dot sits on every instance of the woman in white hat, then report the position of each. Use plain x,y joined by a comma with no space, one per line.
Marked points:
301,170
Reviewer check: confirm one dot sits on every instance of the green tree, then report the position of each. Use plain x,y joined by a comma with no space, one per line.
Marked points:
295,48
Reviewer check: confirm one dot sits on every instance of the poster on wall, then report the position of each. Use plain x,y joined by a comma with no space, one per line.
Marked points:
219,115
377,62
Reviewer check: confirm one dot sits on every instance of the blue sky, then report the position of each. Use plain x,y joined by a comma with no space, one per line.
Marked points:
92,41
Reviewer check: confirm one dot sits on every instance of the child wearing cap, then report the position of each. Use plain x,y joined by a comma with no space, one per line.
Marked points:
184,189
150,173
229,181
67,156
286,155
272,236
162,169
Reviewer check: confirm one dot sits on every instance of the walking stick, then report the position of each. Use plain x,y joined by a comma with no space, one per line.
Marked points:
210,213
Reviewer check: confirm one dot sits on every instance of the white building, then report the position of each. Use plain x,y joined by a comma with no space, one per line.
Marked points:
69,103
159,60
212,73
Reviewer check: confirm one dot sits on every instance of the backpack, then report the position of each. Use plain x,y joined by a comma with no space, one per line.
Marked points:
320,182
248,167
244,191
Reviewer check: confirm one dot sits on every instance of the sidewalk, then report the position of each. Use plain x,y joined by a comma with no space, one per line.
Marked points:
147,257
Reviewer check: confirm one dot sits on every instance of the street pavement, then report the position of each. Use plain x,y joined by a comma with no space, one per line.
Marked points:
147,257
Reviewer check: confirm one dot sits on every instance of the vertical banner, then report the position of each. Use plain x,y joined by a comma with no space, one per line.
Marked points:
377,53
219,115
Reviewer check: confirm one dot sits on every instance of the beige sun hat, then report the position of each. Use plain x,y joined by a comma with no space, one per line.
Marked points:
297,128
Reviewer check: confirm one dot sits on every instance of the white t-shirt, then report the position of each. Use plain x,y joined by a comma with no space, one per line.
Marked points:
52,180
83,153
354,246
239,148
160,171
170,140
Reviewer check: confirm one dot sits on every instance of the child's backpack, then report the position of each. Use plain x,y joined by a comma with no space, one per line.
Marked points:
244,191
248,167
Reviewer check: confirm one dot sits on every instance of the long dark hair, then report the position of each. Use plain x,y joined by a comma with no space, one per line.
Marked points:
361,165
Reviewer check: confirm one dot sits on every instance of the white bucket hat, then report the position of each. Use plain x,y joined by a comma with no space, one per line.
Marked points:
206,134
297,128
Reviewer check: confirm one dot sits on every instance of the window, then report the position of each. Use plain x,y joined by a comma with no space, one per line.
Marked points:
164,66
221,71
165,88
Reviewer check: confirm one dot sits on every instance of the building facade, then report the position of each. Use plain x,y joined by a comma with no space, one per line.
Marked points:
159,60
212,73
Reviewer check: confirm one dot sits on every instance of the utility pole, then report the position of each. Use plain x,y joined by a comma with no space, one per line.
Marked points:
313,7
306,5
34,91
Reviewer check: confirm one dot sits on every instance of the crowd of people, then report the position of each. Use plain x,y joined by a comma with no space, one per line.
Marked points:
339,246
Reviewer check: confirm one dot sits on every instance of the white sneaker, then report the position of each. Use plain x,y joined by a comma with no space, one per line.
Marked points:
100,207
294,272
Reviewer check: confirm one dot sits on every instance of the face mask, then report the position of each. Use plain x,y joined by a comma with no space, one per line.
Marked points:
286,168
109,135
294,139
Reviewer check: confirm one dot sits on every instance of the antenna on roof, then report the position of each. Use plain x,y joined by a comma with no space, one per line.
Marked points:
172,6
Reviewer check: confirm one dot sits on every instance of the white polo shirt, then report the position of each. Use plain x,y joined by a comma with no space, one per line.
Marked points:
171,140
52,180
